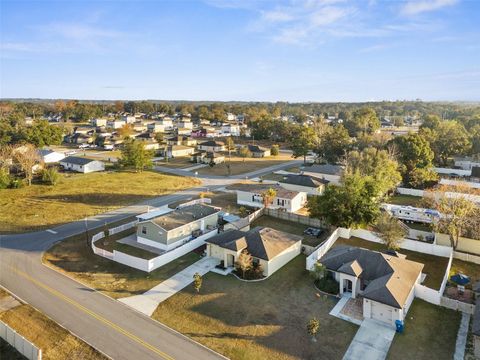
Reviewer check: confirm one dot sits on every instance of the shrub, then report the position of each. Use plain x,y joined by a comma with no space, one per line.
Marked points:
50,176
275,150
5,179
328,285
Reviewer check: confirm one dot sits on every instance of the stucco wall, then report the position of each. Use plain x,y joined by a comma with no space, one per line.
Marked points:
281,259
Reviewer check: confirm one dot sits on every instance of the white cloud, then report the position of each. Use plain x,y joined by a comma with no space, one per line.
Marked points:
415,7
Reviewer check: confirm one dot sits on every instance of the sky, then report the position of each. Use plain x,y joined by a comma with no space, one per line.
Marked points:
241,50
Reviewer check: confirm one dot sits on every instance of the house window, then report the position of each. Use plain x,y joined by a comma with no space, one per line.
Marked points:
144,229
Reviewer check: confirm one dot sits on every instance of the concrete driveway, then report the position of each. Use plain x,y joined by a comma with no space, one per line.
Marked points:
371,341
148,302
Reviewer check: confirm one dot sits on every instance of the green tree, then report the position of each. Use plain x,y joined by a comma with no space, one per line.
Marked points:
302,140
391,231
475,134
313,326
197,281
230,146
451,139
275,150
364,120
50,176
416,156
379,165
350,205
244,153
318,271
41,133
430,121
134,155
334,144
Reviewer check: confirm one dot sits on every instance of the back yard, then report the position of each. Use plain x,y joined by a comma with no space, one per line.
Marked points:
262,320
227,201
435,266
39,206
74,257
292,228
239,166
430,333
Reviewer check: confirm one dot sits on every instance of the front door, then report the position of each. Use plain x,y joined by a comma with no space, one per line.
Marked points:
347,285
230,260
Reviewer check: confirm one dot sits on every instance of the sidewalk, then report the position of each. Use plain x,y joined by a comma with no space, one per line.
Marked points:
148,302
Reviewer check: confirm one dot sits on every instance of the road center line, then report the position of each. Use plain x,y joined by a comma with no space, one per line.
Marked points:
93,314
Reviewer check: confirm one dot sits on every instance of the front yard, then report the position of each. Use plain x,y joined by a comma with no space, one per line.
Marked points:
406,200
290,227
261,320
39,206
73,257
435,266
239,166
430,333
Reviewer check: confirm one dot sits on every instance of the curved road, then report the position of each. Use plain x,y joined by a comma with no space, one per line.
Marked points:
108,325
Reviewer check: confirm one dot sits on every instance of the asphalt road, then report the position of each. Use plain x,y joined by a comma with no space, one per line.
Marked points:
108,325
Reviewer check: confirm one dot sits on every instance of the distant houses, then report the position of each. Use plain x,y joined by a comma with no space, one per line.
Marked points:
49,156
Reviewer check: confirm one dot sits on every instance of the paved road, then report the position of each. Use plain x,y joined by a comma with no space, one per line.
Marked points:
106,324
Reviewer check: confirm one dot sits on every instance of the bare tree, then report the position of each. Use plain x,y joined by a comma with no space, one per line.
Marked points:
6,154
26,156
391,230
244,262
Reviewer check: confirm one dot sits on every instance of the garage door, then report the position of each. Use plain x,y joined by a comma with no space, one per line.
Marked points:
381,312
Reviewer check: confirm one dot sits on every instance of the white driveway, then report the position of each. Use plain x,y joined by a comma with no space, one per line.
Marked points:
371,341
148,302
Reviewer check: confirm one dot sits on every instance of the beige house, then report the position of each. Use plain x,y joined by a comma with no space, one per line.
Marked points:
177,227
211,146
306,183
287,200
270,248
386,283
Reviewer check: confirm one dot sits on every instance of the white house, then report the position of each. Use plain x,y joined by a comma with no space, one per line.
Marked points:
269,248
231,129
329,172
304,183
49,156
128,119
467,163
385,282
115,124
287,200
81,164
156,127
100,122
211,146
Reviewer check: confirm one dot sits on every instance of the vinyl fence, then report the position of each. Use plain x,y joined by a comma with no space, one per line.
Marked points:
457,305
448,194
474,185
448,171
23,346
123,227
466,257
305,220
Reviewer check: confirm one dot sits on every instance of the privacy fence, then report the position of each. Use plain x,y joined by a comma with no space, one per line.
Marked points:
23,346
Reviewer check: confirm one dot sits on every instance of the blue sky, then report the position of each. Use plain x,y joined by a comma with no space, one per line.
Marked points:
293,50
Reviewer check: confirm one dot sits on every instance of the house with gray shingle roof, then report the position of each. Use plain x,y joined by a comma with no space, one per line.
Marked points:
385,282
300,182
82,164
269,248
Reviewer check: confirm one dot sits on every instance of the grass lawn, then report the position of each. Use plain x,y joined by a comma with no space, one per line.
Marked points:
430,333
290,227
470,269
406,200
259,320
55,342
39,206
111,243
179,162
435,266
72,256
273,177
238,166
420,226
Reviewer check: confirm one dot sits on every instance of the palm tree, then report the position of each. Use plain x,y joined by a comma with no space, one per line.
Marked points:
313,327
268,196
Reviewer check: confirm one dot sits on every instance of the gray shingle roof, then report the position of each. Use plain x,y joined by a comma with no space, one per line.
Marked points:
77,160
390,279
304,180
325,169
183,216
262,243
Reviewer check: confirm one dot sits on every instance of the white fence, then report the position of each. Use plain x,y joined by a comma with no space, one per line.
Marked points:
23,346
412,192
466,257
123,227
448,194
256,214
98,236
457,305
196,201
448,171
325,246
474,185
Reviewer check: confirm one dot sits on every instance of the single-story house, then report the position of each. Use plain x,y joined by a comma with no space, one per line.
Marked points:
231,129
175,140
207,157
385,282
49,156
177,227
100,122
115,124
329,172
211,146
269,248
310,184
466,163
251,195
156,127
258,151
81,164
174,151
